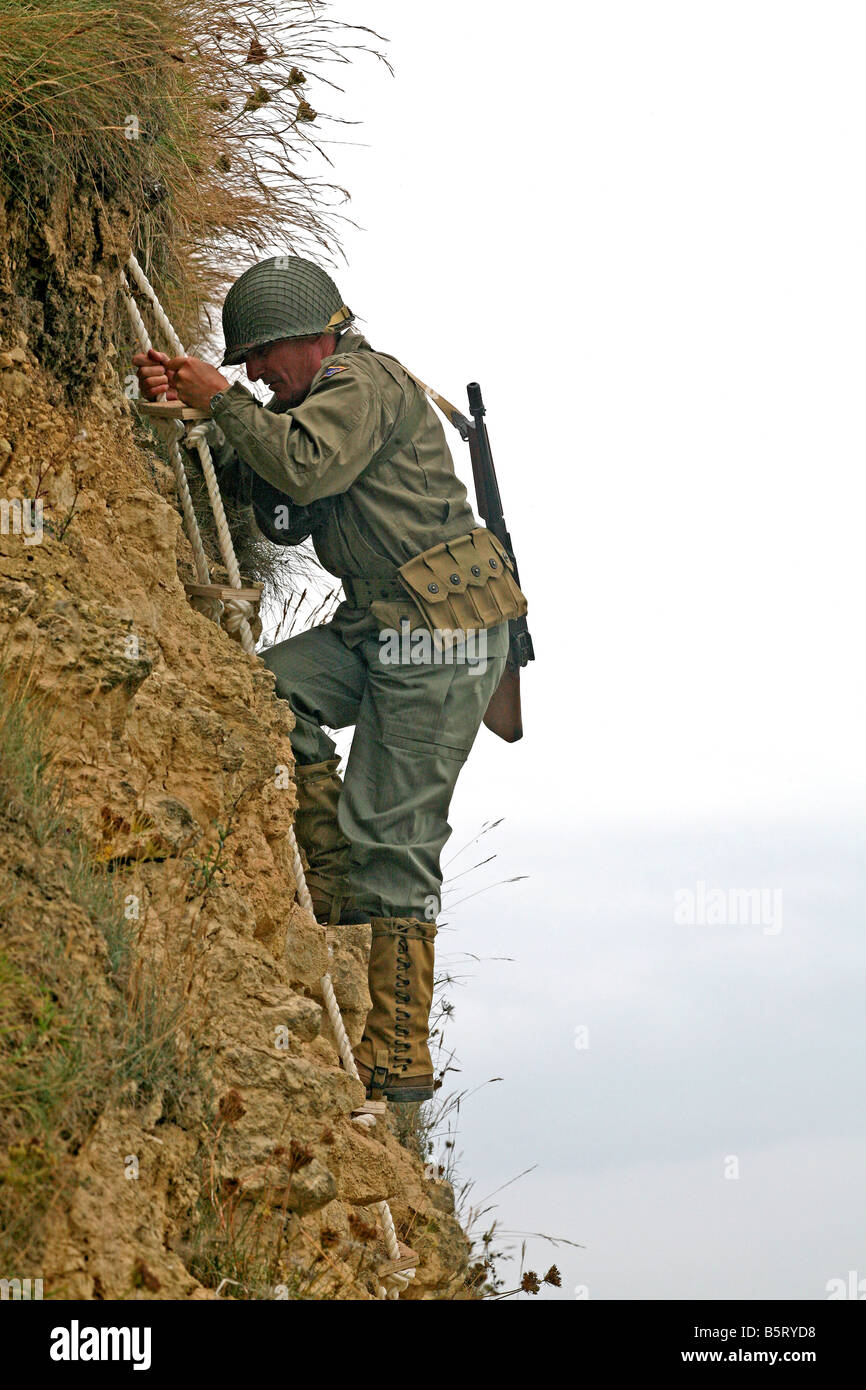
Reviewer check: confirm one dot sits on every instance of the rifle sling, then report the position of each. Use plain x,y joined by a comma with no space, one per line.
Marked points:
451,413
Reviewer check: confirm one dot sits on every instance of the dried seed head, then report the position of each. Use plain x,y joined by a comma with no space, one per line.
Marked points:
231,1108
260,97
299,1156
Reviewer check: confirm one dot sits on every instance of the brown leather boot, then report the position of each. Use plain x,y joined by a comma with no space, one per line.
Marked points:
323,841
393,1057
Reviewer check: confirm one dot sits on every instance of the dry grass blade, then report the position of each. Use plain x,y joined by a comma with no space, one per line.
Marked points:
485,830
516,878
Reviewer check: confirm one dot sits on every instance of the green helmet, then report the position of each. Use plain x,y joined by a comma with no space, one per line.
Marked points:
282,297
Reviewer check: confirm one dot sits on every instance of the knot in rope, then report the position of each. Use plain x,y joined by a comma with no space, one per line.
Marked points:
195,435
209,606
237,611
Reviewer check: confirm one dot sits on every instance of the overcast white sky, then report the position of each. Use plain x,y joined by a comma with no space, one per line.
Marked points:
642,228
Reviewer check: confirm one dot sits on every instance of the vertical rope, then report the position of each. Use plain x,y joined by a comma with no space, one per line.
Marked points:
202,568
159,313
198,437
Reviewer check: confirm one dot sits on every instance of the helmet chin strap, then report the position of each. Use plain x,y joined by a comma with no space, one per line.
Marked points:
342,317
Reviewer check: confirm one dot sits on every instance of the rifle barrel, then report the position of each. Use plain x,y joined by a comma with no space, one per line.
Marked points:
492,500
490,506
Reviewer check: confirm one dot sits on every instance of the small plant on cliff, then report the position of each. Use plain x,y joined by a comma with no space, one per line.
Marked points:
249,1245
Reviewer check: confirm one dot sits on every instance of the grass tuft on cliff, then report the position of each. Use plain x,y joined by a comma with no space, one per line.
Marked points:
190,131
194,115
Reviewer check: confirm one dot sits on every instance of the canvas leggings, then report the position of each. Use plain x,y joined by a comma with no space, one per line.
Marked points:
414,726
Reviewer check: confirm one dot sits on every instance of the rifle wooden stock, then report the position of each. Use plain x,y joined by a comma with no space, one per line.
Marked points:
503,716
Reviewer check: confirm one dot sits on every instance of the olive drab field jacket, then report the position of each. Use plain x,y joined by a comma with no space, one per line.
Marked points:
361,466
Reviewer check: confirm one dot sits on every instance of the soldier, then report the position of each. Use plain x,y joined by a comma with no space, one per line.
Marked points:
350,452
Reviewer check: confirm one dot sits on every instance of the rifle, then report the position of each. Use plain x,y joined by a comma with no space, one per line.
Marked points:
503,716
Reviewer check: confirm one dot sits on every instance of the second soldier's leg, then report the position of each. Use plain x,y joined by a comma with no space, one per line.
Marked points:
323,680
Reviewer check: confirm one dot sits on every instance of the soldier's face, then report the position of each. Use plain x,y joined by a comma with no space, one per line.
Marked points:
288,366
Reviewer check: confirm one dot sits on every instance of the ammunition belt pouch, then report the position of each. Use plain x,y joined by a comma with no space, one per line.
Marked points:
457,586
464,584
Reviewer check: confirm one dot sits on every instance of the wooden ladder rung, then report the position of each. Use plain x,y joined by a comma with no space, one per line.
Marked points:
371,1107
409,1259
171,410
253,592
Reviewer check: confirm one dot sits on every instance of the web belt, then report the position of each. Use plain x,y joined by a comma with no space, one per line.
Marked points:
362,592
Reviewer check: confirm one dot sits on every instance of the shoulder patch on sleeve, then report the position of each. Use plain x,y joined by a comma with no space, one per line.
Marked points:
332,371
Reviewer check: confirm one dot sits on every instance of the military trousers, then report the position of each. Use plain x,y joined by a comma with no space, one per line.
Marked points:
415,722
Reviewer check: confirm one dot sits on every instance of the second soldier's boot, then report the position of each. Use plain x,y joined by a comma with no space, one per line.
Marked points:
321,838
393,1056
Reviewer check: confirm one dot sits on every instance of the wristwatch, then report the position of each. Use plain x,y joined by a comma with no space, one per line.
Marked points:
216,399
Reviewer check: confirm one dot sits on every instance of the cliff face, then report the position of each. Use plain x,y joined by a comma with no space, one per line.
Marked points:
235,1157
